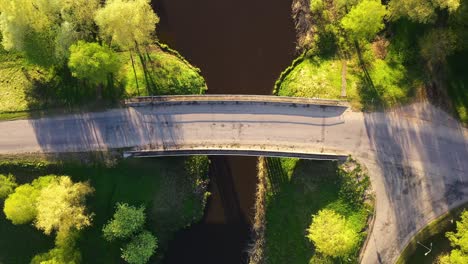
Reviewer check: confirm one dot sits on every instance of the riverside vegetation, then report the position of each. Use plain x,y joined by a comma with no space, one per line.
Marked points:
381,54
303,199
137,205
65,54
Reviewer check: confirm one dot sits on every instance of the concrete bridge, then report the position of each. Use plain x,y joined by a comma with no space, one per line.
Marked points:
416,154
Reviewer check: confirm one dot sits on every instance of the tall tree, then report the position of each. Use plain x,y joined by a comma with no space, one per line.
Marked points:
364,20
127,221
21,206
140,248
331,234
459,242
127,23
61,206
422,11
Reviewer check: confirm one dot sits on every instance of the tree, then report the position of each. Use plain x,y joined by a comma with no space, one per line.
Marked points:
422,11
127,221
92,62
437,44
459,241
331,234
61,206
20,207
140,248
7,185
127,22
65,251
365,20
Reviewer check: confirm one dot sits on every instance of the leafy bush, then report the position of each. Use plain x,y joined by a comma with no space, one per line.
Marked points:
458,240
21,206
331,234
127,221
140,248
354,183
7,185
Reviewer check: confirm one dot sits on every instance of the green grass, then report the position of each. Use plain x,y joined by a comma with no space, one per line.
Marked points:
297,189
172,198
17,80
169,73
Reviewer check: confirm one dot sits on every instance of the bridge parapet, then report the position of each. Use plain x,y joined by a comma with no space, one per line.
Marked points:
220,98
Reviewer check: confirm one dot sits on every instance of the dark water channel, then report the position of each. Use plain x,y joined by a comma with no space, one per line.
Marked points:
241,47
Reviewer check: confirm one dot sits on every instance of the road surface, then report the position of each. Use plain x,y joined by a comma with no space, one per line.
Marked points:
416,155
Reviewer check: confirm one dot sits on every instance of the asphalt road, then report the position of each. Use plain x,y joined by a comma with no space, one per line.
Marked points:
416,155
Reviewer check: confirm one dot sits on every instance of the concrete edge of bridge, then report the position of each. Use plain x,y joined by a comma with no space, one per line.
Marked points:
220,98
226,152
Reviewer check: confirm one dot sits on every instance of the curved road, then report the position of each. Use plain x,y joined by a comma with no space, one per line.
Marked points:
416,155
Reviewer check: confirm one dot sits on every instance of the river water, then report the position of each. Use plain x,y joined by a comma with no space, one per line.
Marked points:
241,47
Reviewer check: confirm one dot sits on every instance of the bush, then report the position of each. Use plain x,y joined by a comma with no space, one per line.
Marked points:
331,234
7,185
20,206
354,183
127,221
140,248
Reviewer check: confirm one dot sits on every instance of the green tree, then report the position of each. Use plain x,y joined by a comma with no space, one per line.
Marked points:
92,62
7,185
61,206
21,206
64,252
365,20
437,44
127,22
331,234
127,221
422,11
459,241
140,248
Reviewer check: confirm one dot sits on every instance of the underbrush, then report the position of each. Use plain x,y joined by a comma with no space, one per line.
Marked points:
298,189
173,191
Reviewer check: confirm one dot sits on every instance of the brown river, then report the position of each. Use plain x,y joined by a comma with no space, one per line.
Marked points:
241,47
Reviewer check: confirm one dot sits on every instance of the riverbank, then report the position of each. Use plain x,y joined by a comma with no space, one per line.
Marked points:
290,192
173,191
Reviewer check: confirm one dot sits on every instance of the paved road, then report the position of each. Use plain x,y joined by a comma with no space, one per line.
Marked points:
417,155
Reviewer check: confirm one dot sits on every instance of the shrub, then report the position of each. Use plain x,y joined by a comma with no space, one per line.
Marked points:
127,221
20,206
7,185
331,234
140,248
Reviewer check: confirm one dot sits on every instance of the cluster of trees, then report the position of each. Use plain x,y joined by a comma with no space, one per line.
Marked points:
53,204
350,27
81,36
127,225
459,242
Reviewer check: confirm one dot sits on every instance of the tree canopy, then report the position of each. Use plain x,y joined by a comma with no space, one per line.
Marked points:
127,22
21,206
7,185
331,234
459,241
61,206
92,61
365,20
422,11
140,248
127,221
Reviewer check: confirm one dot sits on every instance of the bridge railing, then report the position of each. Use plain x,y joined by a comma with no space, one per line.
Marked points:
148,100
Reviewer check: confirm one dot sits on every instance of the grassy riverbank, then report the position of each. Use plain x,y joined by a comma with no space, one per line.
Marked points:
27,90
170,188
296,190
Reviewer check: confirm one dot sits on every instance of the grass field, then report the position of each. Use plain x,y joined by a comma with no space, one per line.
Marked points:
297,189
172,197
